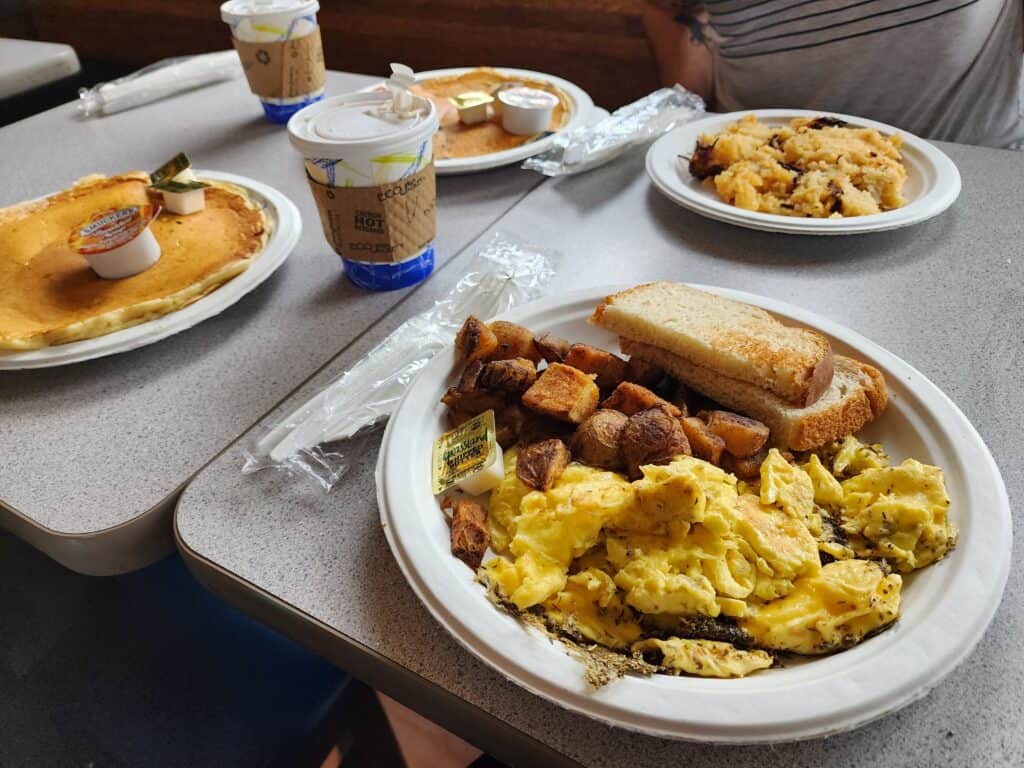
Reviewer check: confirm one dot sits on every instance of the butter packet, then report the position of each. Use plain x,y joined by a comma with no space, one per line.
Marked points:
170,169
464,453
182,192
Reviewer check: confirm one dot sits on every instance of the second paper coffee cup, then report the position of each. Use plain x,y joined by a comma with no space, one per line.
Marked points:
371,173
278,42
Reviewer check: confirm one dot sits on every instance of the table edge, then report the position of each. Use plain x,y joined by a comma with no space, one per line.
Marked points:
128,546
434,702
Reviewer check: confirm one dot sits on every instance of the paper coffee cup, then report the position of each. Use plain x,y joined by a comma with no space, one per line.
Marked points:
371,172
278,42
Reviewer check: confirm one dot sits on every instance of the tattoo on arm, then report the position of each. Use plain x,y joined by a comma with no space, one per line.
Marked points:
698,29
689,15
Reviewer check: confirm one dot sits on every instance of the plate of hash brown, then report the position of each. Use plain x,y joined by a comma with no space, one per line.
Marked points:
718,517
803,172
54,310
460,148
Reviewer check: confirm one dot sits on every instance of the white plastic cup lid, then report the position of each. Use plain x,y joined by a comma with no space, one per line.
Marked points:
330,127
238,10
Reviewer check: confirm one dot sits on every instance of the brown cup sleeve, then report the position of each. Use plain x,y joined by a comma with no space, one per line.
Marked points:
283,69
383,224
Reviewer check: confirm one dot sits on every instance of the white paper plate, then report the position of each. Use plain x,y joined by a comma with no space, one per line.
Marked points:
946,607
285,227
933,181
579,114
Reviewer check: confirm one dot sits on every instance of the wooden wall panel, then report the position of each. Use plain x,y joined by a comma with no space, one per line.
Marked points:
598,44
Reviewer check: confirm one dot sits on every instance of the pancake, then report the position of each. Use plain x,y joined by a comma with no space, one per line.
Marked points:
454,140
49,294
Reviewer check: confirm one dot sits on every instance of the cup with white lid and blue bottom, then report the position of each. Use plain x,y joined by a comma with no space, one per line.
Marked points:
370,168
278,42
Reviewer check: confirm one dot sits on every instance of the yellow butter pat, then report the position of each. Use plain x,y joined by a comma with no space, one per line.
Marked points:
468,457
472,106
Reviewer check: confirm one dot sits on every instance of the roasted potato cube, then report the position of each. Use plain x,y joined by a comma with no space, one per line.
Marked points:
630,398
475,341
654,436
470,536
508,424
598,440
748,468
644,373
610,369
704,443
541,464
537,427
743,437
513,341
563,392
470,379
552,348
475,402
510,375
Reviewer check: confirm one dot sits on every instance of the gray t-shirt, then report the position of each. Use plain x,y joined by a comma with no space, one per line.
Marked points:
944,69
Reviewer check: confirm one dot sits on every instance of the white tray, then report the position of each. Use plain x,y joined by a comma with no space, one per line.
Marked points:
933,181
285,228
945,610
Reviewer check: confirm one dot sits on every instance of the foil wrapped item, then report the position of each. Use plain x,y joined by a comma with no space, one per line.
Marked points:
588,147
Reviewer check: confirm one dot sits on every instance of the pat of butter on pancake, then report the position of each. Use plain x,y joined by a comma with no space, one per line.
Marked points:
49,295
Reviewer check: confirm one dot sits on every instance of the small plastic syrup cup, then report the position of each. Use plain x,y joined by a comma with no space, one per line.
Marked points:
272,21
118,242
353,140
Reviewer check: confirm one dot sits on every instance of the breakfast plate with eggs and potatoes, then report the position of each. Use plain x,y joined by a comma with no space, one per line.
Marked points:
56,308
695,512
803,172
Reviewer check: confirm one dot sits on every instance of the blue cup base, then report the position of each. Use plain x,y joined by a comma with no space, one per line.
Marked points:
390,277
281,113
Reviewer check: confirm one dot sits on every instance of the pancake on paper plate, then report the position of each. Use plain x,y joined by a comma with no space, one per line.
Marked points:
454,139
48,293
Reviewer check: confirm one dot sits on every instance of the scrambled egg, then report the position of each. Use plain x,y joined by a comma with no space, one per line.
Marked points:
834,609
812,167
705,658
626,565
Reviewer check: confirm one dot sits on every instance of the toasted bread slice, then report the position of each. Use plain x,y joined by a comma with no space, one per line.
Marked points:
735,339
856,396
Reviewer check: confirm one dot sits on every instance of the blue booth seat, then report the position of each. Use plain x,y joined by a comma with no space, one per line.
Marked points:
149,669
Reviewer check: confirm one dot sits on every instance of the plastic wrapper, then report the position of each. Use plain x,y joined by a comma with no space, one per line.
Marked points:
310,440
638,123
157,81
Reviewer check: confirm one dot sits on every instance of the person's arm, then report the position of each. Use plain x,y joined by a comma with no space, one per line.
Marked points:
679,34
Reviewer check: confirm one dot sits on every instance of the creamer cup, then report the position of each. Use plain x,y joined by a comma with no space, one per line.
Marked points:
526,111
352,142
277,23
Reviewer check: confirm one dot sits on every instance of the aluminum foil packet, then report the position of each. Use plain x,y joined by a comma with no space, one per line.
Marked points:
587,147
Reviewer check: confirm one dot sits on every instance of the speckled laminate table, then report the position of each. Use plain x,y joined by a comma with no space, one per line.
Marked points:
93,455
947,296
